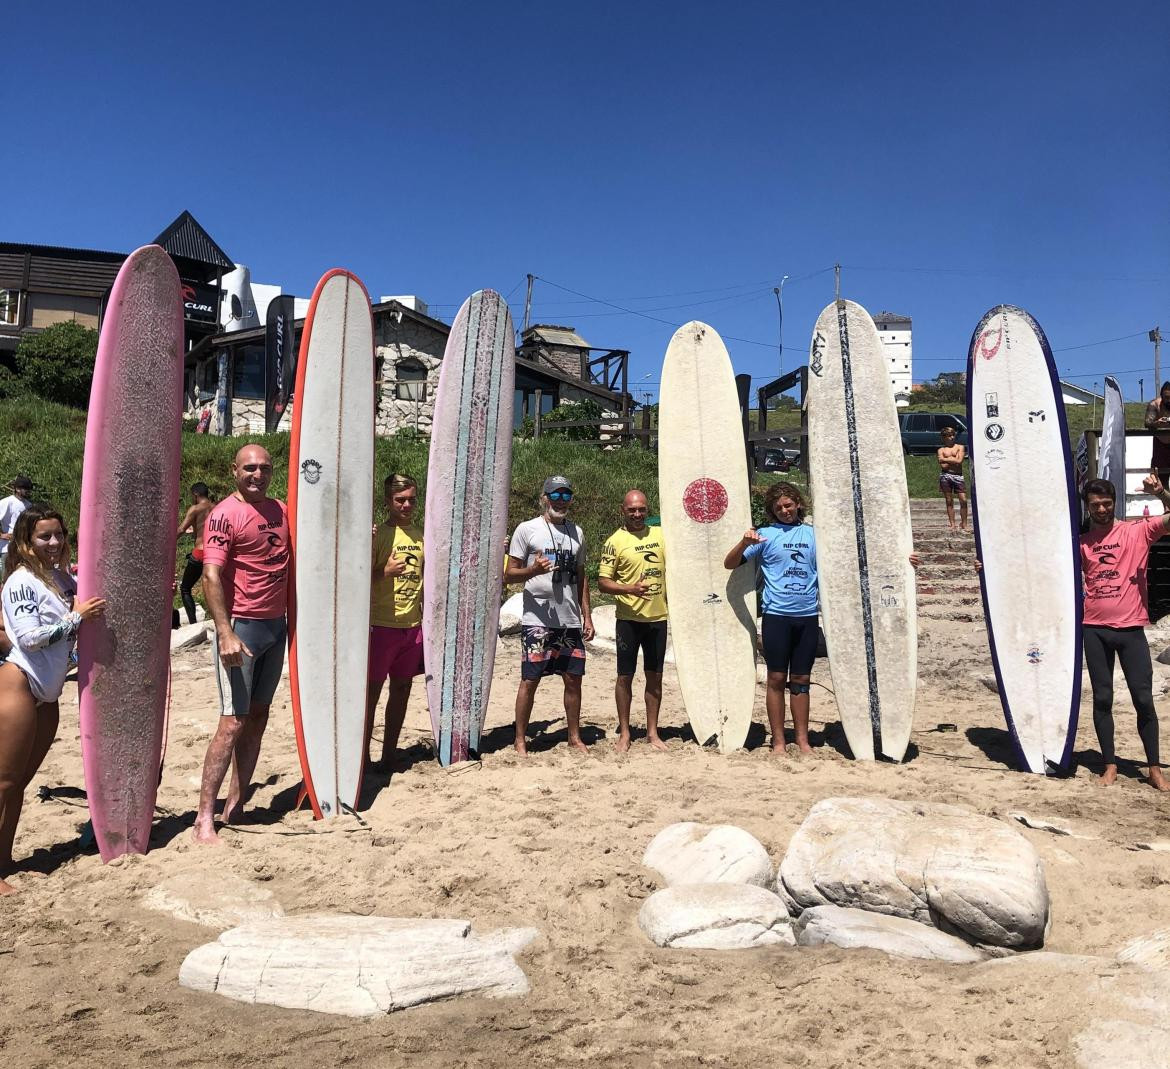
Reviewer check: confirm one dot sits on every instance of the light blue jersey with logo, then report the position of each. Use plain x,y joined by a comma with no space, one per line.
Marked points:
788,561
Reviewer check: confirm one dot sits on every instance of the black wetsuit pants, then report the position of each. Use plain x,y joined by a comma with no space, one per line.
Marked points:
191,576
1104,645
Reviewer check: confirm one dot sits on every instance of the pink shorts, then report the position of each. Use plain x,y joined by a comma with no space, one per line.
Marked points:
395,652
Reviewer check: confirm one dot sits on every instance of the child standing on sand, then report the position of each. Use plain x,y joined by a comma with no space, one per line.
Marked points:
950,477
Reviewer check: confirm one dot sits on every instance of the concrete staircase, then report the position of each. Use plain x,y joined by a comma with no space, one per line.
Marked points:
948,587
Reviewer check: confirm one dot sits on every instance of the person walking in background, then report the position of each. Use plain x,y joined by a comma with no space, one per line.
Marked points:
193,520
396,651
1158,421
633,571
246,571
950,477
42,620
10,509
547,555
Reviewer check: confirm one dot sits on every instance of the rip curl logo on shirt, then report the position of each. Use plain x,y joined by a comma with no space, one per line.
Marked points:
1035,654
311,471
705,501
986,350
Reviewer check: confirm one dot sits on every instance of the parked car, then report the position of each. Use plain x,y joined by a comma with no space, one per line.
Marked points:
920,430
778,454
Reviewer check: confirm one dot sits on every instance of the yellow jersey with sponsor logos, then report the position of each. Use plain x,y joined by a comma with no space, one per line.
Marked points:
397,601
630,558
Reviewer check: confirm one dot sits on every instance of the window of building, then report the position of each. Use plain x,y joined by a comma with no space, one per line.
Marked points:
248,373
526,404
411,380
10,307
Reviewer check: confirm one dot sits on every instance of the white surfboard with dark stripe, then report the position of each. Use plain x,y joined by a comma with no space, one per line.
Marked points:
468,482
861,517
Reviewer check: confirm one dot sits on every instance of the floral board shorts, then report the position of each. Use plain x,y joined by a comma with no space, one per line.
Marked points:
551,651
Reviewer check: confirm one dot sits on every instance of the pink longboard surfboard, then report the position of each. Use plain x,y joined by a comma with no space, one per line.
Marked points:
126,547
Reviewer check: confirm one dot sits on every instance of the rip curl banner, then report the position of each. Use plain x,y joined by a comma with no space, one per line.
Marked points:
280,357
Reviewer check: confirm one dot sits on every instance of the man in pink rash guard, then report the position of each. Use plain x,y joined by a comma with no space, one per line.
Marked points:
1113,560
245,582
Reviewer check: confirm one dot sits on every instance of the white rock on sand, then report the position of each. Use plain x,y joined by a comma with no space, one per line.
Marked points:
715,916
931,863
510,613
183,638
356,966
700,853
853,929
213,898
1149,952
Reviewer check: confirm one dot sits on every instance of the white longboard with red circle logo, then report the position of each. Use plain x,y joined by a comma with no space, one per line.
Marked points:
705,507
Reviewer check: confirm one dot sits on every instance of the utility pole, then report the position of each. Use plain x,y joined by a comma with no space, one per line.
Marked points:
1142,389
1093,422
1156,338
527,304
837,272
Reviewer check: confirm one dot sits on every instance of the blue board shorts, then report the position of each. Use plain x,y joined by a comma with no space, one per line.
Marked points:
255,681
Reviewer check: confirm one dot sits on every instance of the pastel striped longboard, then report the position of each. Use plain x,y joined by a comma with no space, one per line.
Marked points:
861,518
468,483
1026,533
129,497
331,513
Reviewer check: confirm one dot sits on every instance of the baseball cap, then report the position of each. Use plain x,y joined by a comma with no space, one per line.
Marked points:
556,482
22,482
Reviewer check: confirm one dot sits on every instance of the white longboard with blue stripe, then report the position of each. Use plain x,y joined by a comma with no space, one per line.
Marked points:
861,516
468,483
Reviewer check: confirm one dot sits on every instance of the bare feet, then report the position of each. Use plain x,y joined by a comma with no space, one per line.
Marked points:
7,889
623,743
233,811
779,749
1156,779
802,746
656,743
577,744
1108,777
521,746
206,834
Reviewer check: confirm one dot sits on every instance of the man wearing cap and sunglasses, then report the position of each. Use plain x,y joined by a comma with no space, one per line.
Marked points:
10,509
547,555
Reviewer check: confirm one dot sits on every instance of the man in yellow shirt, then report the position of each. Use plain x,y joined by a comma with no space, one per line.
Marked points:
633,570
395,614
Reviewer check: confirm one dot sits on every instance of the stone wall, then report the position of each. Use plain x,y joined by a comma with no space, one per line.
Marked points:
393,343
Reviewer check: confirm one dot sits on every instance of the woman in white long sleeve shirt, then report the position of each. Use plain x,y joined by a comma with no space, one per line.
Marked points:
41,620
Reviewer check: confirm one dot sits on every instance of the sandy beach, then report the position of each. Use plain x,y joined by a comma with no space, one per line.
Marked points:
555,841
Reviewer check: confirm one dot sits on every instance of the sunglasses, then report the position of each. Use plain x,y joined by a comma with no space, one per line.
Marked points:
561,495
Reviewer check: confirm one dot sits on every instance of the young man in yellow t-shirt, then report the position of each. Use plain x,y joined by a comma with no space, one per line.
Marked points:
633,569
395,613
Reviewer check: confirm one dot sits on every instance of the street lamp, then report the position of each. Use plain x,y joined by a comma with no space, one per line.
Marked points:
1093,423
779,292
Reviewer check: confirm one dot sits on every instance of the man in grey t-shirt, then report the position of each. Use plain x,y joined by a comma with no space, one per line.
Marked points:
547,555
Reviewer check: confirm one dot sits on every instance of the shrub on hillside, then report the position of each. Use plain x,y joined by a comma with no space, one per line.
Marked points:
57,363
570,411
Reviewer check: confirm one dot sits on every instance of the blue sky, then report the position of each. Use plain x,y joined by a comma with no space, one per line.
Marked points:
675,159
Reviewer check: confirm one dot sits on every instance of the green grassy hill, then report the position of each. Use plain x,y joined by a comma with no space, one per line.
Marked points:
45,441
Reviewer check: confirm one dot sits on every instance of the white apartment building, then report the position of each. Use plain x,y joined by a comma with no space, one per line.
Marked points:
894,331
